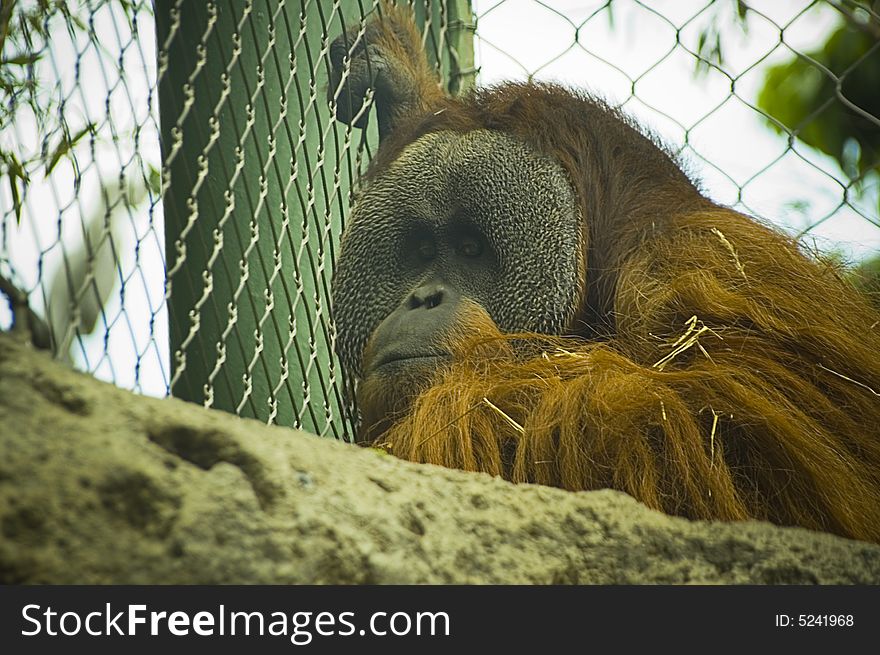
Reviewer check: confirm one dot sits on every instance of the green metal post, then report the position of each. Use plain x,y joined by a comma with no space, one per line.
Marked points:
256,180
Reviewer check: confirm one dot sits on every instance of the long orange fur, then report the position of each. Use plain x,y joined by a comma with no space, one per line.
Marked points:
739,377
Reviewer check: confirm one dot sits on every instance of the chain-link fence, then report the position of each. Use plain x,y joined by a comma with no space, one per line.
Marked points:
202,268
774,104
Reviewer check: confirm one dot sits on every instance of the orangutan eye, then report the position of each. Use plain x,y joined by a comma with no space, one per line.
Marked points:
470,247
426,250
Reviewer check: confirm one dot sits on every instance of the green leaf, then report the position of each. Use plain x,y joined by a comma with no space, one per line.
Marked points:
154,181
16,199
15,172
65,146
805,99
23,59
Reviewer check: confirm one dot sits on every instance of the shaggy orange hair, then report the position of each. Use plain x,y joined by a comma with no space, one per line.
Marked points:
758,407
716,372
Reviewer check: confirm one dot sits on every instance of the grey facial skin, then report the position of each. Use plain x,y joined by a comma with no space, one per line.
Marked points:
478,216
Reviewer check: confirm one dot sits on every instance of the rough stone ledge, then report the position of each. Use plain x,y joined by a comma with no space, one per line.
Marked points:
98,485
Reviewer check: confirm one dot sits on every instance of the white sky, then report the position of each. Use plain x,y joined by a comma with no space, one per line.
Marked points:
729,147
131,338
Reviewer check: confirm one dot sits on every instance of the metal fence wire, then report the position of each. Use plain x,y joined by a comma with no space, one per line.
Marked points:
174,189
